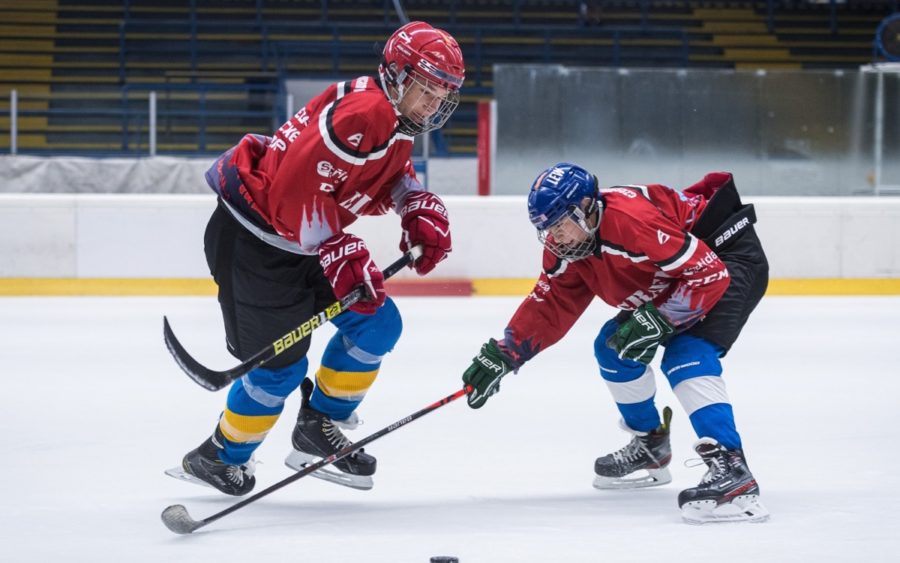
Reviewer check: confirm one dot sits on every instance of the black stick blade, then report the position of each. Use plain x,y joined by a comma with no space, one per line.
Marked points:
203,376
177,519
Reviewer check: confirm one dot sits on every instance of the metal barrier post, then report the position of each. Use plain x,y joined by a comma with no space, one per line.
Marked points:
13,121
426,152
151,123
879,127
203,120
289,106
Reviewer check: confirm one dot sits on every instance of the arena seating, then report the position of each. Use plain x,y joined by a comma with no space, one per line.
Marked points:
83,68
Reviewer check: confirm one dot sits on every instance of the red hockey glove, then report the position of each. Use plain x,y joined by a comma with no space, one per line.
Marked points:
424,221
347,265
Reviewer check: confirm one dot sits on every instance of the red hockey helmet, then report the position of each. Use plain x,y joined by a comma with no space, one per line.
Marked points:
431,57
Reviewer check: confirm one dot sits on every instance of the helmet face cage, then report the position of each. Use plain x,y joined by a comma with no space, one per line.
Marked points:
412,125
421,58
564,202
574,218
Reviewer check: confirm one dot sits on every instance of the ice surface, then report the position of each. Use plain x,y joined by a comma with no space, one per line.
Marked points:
92,410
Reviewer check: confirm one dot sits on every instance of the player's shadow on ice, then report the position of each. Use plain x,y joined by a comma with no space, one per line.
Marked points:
518,513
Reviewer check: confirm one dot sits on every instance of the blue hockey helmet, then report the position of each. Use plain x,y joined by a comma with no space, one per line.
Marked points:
557,194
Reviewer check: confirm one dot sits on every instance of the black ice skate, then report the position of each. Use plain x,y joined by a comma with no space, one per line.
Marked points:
726,493
641,463
316,436
202,466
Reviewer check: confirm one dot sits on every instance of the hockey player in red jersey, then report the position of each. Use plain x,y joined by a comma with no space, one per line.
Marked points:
277,248
685,270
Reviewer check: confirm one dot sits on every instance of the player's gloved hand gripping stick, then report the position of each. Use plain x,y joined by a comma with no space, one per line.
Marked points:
487,369
215,380
641,334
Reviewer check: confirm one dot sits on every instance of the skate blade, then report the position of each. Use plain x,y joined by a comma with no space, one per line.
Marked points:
298,461
744,508
653,478
182,475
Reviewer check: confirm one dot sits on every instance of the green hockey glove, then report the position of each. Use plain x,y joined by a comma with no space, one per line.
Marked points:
638,338
485,373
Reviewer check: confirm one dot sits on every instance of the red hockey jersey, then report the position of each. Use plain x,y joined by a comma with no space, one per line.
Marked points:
645,252
338,158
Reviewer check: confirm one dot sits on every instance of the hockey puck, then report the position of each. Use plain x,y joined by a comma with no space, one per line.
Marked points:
444,559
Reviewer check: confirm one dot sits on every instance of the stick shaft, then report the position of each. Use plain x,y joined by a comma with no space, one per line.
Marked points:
340,454
215,380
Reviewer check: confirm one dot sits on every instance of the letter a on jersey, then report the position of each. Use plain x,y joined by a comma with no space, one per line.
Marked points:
355,140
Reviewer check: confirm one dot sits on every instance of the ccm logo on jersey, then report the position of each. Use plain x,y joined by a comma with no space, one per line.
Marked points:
712,278
733,230
344,250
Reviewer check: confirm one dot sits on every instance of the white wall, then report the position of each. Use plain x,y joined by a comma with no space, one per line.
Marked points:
141,236
169,175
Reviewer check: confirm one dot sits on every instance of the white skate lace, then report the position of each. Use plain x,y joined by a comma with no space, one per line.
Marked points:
716,464
334,435
235,474
630,452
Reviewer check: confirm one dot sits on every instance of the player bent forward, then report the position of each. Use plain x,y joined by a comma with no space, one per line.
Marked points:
279,252
685,270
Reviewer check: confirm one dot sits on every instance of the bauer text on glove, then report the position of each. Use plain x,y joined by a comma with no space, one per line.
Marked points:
486,371
424,220
347,265
638,337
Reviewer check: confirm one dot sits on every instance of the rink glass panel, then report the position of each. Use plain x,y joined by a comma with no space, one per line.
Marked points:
780,132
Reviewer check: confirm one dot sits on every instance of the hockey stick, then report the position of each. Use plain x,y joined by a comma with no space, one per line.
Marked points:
177,519
214,380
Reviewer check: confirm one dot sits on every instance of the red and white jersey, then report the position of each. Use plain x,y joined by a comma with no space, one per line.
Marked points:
645,252
338,158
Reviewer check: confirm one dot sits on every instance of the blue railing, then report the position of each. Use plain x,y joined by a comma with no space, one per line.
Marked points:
204,116
339,42
517,8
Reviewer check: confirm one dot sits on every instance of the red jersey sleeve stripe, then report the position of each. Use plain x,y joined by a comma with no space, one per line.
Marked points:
683,255
346,153
615,250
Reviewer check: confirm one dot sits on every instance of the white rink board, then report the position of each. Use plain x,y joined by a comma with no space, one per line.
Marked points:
161,236
93,410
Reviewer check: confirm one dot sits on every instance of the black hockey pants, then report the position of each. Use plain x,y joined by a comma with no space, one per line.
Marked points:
264,292
726,225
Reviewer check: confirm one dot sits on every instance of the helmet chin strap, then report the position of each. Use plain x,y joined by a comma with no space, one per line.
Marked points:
395,80
583,216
